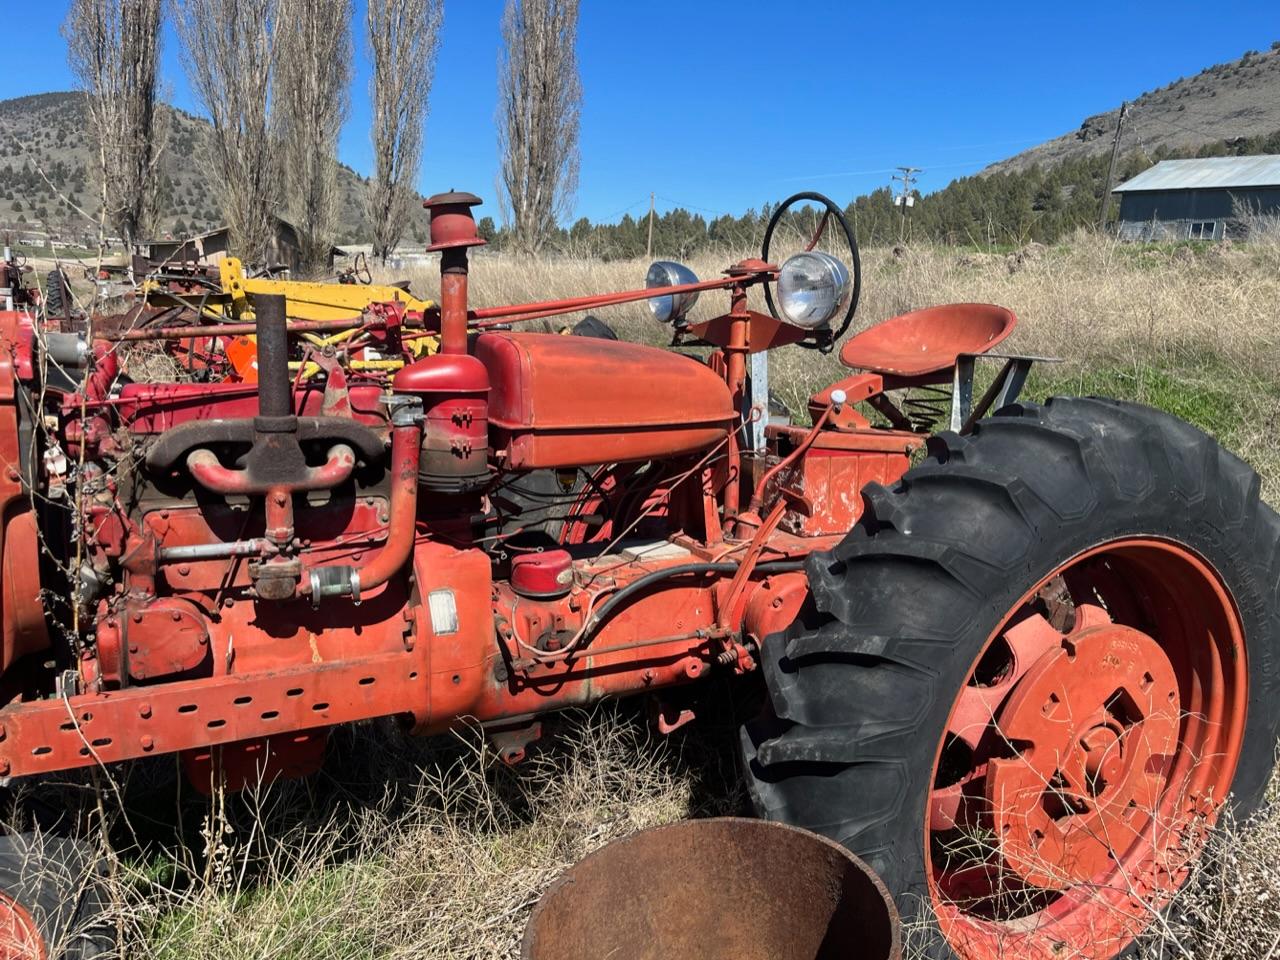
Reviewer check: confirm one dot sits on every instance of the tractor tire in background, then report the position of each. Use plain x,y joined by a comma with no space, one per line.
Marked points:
57,295
1024,686
51,900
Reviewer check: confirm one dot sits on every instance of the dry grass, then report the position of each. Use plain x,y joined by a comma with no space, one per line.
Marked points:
1230,907
423,850
447,860
1088,298
1192,329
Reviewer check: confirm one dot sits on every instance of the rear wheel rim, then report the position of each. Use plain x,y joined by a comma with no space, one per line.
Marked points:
19,935
1091,748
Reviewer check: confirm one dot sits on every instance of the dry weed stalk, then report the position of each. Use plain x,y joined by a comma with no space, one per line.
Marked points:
461,846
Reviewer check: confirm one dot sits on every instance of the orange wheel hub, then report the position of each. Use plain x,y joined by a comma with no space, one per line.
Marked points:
1095,723
1095,741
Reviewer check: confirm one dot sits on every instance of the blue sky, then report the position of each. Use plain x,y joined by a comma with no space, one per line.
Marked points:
721,105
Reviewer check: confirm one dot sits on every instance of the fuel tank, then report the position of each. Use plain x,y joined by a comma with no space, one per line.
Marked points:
559,401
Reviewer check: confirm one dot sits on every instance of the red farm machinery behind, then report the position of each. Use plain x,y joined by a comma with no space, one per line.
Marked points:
1018,665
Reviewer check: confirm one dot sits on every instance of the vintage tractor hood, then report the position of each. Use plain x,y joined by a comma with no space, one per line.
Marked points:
560,401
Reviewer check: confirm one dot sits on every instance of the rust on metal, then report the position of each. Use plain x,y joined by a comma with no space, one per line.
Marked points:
718,889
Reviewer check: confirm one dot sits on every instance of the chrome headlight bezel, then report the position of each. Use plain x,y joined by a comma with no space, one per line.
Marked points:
812,288
674,308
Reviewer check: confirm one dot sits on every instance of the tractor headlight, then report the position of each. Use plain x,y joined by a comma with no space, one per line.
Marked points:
812,288
666,273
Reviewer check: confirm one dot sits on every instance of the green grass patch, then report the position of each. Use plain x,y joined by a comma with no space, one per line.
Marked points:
323,913
1237,407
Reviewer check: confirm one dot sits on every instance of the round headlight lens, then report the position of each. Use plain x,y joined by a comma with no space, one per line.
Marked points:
667,273
812,289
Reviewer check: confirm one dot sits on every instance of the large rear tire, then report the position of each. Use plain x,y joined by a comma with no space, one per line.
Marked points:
1026,683
57,295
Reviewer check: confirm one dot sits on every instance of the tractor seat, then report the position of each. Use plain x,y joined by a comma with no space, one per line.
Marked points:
928,341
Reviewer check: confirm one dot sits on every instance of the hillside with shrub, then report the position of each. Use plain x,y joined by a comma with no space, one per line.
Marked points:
48,174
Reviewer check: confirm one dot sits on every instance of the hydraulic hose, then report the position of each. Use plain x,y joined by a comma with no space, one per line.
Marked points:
649,579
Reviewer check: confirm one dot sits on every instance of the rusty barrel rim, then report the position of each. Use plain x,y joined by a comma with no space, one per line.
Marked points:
572,875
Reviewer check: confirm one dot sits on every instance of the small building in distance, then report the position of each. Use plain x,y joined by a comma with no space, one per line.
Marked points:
1208,198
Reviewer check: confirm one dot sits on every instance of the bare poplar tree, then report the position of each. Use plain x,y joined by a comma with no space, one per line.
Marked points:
113,49
313,70
539,102
230,60
404,36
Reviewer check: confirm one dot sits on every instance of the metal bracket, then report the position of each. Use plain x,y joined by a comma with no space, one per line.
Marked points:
1004,390
512,739
961,390
758,399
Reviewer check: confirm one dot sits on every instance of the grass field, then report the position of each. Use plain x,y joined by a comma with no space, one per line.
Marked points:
402,849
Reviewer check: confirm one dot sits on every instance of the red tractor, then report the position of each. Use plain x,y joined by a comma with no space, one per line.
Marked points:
1019,665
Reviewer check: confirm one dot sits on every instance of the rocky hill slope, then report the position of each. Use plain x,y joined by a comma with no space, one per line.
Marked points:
1227,101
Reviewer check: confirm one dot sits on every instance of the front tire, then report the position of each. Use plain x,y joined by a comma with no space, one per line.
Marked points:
1027,681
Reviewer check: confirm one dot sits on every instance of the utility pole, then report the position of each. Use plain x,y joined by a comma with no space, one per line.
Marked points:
648,250
1111,167
905,198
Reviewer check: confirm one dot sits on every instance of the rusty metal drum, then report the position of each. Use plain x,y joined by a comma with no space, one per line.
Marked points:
717,889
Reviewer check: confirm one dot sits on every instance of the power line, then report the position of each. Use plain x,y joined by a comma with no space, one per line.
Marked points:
694,206
627,209
1182,127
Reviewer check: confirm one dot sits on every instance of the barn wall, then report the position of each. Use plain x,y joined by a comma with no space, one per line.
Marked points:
1168,214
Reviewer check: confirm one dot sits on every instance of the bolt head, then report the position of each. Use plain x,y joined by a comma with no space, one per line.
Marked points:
838,396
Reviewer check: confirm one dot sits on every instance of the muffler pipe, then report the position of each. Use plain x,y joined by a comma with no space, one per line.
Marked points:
275,388
719,889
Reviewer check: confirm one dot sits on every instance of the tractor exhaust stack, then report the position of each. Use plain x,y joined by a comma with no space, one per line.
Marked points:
453,230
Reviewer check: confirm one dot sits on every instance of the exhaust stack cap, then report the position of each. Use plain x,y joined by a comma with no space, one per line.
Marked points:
452,222
718,889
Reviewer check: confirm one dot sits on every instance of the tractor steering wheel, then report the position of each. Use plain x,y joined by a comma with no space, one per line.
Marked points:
360,269
824,339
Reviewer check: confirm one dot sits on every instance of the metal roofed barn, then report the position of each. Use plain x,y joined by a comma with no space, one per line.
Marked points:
1202,199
